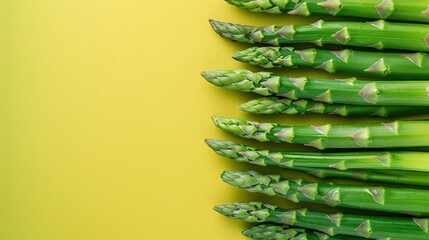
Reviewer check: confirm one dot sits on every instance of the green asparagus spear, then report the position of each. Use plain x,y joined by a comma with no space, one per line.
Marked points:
395,200
274,105
269,231
391,176
393,160
379,135
374,64
379,34
399,10
345,91
313,163
378,227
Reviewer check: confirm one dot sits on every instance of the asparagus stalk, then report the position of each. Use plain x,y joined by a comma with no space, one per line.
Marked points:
398,177
395,200
274,105
394,160
399,10
374,64
378,227
346,91
297,161
269,231
379,34
379,135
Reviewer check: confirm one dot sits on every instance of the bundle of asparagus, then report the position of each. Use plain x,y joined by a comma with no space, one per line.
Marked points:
398,161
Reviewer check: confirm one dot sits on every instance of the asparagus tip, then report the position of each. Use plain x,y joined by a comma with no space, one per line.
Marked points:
237,56
205,75
212,143
229,177
219,209
214,24
217,120
211,77
247,106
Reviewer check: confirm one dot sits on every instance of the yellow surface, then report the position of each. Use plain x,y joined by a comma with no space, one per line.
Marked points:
103,116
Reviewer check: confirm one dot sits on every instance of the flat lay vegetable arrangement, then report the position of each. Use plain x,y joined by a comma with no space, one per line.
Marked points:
390,152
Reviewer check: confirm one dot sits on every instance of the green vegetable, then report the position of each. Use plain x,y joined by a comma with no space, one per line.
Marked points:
273,105
395,200
345,91
374,64
378,135
400,10
378,227
379,34
269,231
382,160
241,153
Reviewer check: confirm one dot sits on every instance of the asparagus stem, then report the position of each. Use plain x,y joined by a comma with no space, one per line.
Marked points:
395,200
398,10
374,64
269,231
379,135
378,227
275,105
300,161
391,176
379,34
345,91
393,160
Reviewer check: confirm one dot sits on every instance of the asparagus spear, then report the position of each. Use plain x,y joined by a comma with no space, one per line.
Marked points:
241,153
379,135
379,34
375,64
269,231
391,176
393,160
378,227
395,200
273,105
400,10
346,91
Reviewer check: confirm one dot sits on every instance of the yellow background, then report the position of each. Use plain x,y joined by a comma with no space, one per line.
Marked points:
103,116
